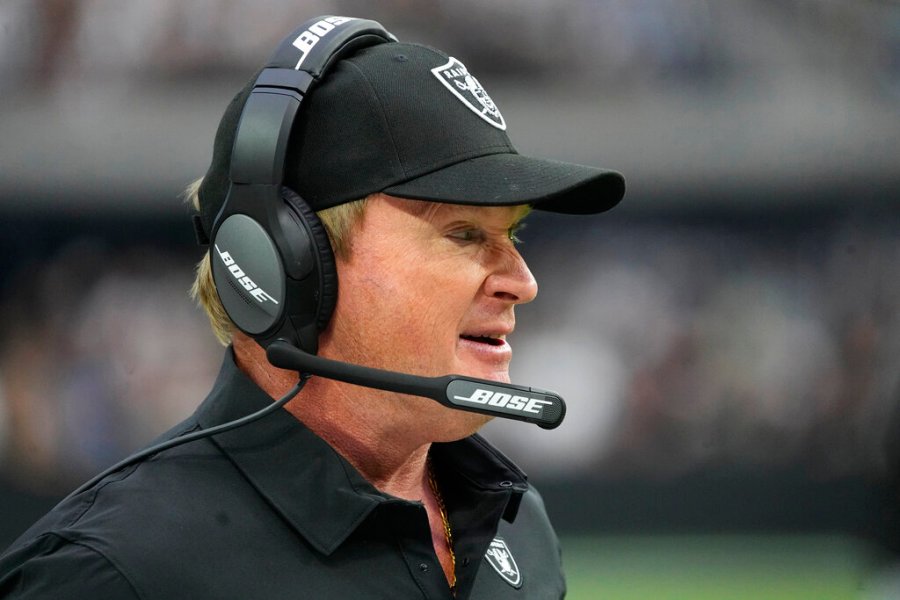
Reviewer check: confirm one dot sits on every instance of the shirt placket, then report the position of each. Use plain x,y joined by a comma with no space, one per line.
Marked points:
409,522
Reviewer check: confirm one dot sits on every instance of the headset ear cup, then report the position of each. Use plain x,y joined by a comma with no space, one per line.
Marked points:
323,252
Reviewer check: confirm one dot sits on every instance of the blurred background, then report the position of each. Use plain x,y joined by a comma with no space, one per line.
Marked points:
728,339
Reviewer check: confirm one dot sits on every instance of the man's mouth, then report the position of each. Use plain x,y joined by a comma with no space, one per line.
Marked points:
485,339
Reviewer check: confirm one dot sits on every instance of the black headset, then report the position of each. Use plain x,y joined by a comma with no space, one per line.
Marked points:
272,262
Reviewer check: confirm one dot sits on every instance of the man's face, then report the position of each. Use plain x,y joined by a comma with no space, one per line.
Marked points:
430,289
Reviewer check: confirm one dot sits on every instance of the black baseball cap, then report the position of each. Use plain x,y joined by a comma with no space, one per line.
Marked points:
412,122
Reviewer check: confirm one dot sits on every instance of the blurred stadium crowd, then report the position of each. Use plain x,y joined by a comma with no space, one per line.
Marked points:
693,338
623,40
696,345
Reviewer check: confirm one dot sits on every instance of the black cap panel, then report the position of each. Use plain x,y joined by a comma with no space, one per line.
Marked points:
382,118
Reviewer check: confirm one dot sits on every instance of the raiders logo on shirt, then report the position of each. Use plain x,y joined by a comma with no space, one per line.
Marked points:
499,557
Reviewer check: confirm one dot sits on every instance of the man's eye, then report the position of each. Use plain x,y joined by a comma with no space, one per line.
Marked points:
467,235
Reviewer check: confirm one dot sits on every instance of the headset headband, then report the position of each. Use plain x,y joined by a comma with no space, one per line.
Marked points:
272,265
302,58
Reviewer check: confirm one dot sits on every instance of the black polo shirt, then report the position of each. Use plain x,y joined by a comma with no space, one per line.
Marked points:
271,511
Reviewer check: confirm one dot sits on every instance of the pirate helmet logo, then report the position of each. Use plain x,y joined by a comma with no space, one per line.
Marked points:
456,78
499,557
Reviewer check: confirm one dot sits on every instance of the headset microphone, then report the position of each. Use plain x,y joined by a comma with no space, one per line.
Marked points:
541,407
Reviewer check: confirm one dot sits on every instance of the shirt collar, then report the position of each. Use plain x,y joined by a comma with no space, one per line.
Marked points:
312,486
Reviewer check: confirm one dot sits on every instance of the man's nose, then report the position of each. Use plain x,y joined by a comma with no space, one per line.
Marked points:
512,280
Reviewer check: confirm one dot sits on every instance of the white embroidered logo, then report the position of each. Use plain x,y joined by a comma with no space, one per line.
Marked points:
456,78
499,557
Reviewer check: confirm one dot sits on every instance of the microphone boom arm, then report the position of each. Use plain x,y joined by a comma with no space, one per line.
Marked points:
541,407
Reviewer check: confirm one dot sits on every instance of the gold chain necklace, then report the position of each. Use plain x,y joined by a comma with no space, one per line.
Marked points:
448,534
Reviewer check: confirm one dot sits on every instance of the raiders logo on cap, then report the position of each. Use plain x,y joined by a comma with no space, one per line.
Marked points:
456,78
499,557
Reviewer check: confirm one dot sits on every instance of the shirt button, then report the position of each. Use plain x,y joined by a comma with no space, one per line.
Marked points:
506,484
423,567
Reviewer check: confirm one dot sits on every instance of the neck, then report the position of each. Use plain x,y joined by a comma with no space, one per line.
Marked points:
364,426
372,440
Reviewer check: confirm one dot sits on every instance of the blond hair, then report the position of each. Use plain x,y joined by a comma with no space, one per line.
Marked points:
338,222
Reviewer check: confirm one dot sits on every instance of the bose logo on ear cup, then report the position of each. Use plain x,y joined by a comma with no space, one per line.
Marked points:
311,36
242,278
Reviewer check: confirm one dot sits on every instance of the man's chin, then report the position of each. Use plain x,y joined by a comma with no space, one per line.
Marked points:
460,424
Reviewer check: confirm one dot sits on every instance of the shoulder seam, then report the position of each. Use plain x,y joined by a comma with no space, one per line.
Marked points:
95,491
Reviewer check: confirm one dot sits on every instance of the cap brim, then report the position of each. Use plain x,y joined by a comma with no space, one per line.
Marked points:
508,179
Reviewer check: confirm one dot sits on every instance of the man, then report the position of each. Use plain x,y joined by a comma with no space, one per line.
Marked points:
349,492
